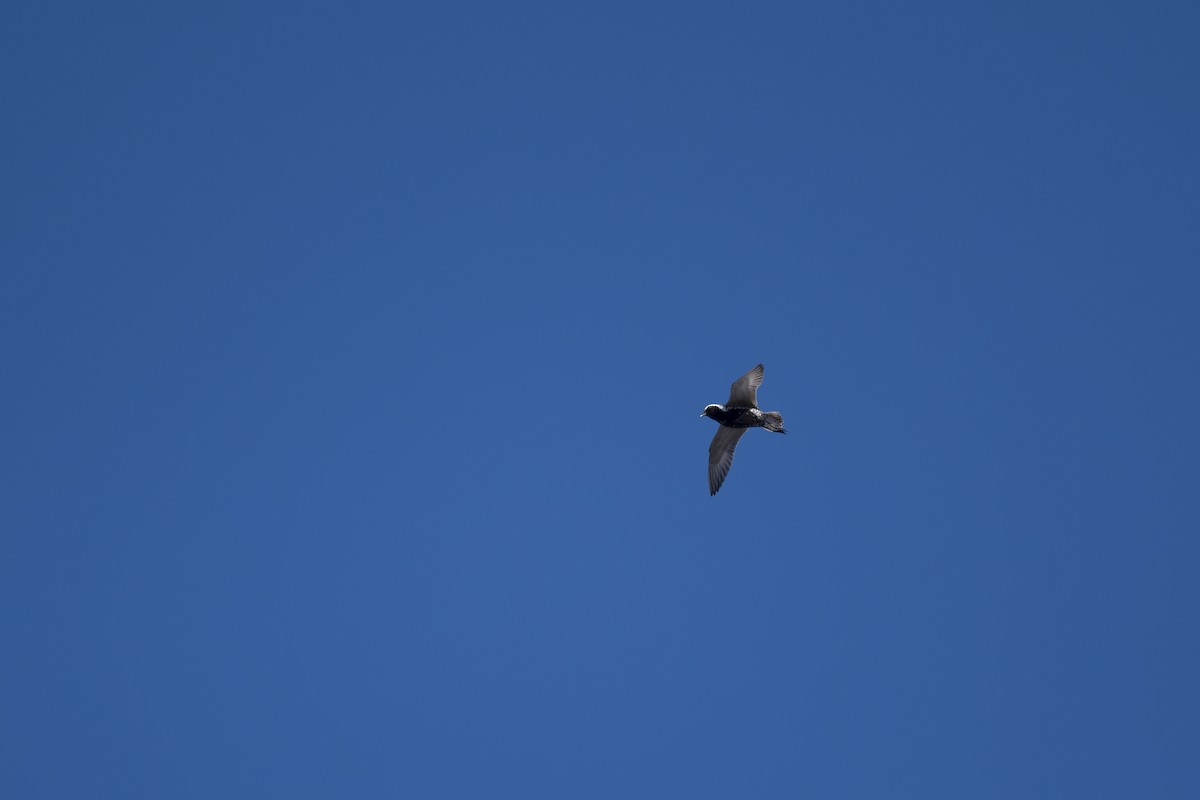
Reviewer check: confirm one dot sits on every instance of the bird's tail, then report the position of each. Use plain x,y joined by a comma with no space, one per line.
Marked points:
773,421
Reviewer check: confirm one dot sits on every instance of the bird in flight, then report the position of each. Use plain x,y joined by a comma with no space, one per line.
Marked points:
736,416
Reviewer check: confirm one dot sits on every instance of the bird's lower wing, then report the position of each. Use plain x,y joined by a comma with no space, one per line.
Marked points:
720,456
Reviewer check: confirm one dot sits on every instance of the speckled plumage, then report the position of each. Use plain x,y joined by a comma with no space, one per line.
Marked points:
739,414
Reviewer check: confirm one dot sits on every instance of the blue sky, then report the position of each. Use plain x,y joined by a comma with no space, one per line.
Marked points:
354,358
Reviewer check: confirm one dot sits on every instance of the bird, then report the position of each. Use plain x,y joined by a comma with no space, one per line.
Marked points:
740,413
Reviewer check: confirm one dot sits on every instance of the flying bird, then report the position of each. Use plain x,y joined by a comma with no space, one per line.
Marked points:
736,416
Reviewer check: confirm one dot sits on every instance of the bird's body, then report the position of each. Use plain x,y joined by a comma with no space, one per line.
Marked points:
735,417
739,414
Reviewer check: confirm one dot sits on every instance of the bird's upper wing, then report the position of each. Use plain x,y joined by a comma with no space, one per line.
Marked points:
744,391
720,455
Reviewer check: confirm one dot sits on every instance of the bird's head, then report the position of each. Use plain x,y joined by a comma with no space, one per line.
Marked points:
711,409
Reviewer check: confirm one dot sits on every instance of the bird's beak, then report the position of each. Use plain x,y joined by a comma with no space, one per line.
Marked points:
703,414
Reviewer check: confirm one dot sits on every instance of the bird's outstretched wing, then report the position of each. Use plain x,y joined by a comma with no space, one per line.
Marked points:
744,391
720,455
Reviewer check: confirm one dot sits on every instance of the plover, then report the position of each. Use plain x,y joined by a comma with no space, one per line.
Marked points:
740,413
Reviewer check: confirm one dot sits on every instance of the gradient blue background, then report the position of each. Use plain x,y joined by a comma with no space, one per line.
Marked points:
353,357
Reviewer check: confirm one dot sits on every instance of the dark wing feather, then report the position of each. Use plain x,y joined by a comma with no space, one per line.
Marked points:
744,391
720,455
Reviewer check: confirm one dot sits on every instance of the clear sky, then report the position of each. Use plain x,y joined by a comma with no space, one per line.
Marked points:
353,359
